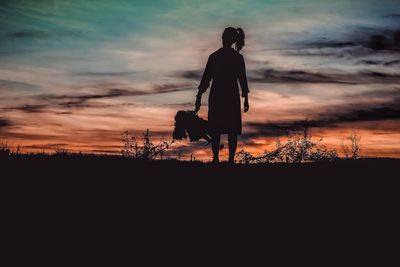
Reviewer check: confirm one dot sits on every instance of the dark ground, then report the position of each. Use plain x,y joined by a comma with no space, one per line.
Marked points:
89,167
124,175
173,211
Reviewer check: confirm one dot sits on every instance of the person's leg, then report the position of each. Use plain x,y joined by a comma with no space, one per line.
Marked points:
215,141
232,140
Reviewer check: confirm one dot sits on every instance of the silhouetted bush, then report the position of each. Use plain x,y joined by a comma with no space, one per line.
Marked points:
352,150
147,151
297,149
64,152
5,151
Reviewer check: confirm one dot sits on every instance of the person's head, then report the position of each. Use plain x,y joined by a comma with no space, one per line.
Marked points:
233,36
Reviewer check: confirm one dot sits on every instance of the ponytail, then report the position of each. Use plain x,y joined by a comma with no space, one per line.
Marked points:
234,36
240,39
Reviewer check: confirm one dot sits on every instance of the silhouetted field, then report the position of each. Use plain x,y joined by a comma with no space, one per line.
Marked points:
76,196
110,181
91,166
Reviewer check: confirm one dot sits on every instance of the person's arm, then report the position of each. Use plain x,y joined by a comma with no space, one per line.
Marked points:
204,84
243,84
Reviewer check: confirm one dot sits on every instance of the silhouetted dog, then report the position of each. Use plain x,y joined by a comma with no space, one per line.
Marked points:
187,123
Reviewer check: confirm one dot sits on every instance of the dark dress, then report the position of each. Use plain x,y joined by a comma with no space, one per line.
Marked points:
225,67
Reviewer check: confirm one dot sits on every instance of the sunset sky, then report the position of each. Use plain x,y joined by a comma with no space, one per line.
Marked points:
75,74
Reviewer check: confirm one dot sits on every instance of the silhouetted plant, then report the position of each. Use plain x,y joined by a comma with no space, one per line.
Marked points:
130,146
147,151
352,150
297,149
177,153
61,152
4,150
246,157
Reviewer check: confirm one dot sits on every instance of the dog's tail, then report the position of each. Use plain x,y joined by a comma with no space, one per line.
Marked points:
208,139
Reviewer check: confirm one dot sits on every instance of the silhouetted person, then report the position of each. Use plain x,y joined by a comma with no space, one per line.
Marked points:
225,67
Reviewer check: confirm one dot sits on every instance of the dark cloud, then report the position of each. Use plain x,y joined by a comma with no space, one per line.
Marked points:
270,75
47,101
46,146
81,100
78,100
381,41
184,105
169,88
39,34
4,123
328,44
33,136
67,148
337,115
389,110
300,76
105,151
185,149
9,84
357,42
296,76
371,62
27,108
379,62
391,93
106,73
191,74
392,63
93,136
28,34
280,128
376,39
392,16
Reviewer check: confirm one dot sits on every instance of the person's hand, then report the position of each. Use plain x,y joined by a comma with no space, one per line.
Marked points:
198,104
246,104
